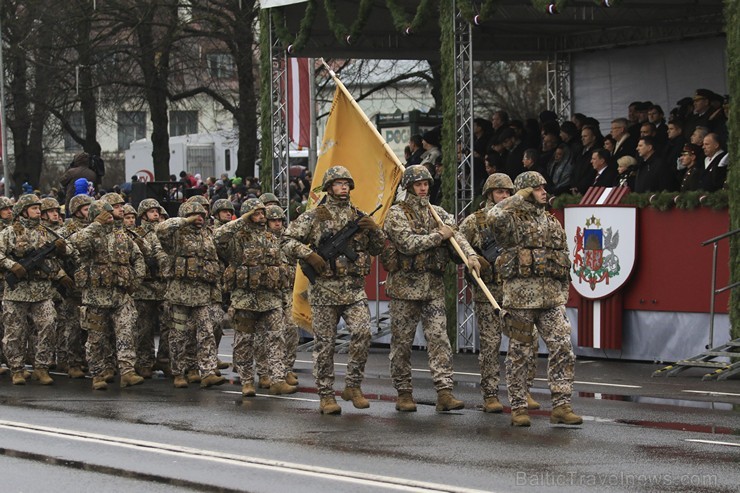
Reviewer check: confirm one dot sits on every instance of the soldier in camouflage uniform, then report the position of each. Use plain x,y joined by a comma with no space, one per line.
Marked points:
51,219
6,218
73,337
117,203
416,260
31,299
253,277
269,199
111,267
129,217
479,233
192,292
534,267
149,295
339,290
276,224
222,212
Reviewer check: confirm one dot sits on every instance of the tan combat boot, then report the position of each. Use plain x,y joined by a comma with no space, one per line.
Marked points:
3,370
99,383
291,378
75,372
520,417
222,365
181,382
281,388
18,378
265,382
354,394
42,376
531,403
248,390
131,378
145,372
193,376
492,405
564,414
26,374
405,402
447,402
328,405
108,375
210,380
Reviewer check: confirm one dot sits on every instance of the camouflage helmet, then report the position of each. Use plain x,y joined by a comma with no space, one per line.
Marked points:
529,179
112,198
190,208
274,212
337,173
5,202
250,206
222,205
163,212
128,209
414,173
199,199
268,197
49,203
78,201
24,202
146,205
497,180
97,208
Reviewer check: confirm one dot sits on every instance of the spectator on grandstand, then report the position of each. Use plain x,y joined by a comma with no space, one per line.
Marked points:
499,122
515,152
656,116
579,119
625,143
697,136
715,163
674,144
606,174
648,168
647,129
718,116
417,149
550,142
570,136
609,143
560,170
582,175
692,168
699,116
532,135
627,169
530,160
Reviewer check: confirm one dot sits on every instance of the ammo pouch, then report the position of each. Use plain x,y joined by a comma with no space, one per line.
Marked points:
533,262
196,269
343,267
108,275
82,278
389,257
180,316
89,320
517,329
243,321
434,260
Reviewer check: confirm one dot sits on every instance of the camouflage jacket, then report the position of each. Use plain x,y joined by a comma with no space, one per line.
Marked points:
194,273
346,285
534,263
153,285
111,265
4,223
16,242
479,232
414,233
254,275
72,261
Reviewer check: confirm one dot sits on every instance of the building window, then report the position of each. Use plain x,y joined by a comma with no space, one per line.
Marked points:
77,122
220,65
183,123
131,127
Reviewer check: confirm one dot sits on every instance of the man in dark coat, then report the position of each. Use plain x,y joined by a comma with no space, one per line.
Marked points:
80,168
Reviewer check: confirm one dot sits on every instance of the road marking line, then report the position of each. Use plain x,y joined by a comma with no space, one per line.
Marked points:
272,396
391,482
711,393
712,442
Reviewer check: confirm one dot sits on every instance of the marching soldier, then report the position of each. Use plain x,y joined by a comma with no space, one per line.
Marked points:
51,219
253,277
192,291
110,269
129,217
6,218
276,224
222,212
116,202
479,234
416,260
534,267
31,297
339,290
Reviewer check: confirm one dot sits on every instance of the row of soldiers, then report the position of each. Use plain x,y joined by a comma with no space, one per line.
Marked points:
512,243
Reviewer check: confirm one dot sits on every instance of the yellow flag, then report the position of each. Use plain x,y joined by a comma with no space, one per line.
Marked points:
351,140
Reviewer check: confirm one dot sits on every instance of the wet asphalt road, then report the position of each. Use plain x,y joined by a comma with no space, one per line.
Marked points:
640,434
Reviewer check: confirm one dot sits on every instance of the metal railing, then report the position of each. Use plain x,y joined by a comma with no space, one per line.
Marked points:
715,241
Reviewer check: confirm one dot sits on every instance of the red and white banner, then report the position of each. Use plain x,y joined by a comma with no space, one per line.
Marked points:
299,101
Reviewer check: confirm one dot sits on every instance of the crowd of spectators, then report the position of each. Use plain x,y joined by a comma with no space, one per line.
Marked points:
646,150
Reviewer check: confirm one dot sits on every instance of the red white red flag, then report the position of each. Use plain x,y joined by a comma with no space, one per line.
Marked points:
299,102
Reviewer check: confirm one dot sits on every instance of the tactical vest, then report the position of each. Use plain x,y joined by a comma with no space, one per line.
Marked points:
24,245
342,266
433,260
195,258
540,249
108,269
259,266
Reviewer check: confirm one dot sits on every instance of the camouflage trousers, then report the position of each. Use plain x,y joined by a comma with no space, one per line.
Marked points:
70,336
192,343
110,334
324,325
554,329
165,323
405,316
268,334
489,329
2,334
146,324
289,339
17,316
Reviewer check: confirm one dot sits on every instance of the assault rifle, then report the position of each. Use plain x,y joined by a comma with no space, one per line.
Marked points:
34,260
149,259
332,246
490,251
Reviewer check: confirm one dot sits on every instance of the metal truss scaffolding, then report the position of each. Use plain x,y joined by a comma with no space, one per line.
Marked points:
464,190
558,85
280,139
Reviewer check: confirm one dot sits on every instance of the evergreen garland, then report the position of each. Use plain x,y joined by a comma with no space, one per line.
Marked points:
688,200
561,201
294,44
265,100
662,201
732,27
545,6
341,33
